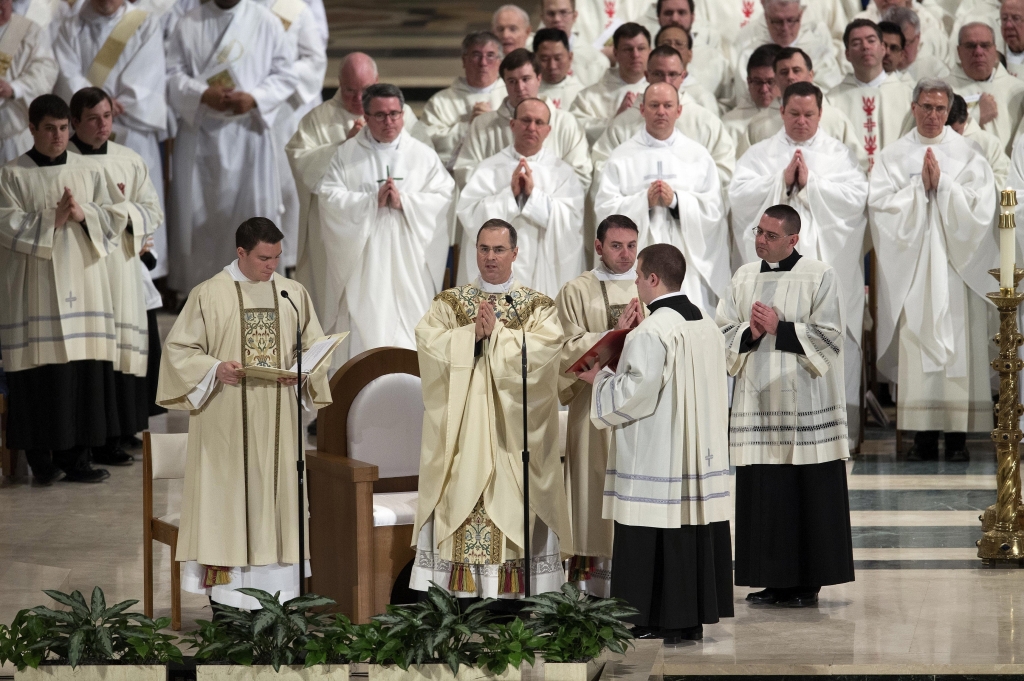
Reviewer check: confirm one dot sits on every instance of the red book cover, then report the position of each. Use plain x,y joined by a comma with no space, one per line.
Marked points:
606,351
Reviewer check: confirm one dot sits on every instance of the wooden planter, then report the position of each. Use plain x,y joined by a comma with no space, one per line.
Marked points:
230,672
112,672
573,671
439,672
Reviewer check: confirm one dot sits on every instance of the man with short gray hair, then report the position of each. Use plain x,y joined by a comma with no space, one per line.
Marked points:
932,276
511,24
917,64
933,39
994,98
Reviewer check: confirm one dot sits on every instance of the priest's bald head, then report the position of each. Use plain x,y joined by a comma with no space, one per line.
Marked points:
930,107
48,120
1011,23
976,48
481,55
384,104
777,234
660,270
496,250
616,243
660,109
357,72
666,65
258,244
520,71
511,24
531,125
792,65
801,111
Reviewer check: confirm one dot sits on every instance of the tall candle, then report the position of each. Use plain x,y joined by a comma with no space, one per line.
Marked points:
1007,239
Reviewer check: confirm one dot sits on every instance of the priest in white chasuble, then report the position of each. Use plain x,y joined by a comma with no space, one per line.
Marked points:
760,94
110,44
931,208
539,194
230,66
667,478
384,203
590,305
820,178
92,115
668,185
988,144
469,532
557,85
587,63
793,65
57,227
677,38
311,149
596,106
695,122
447,114
876,102
728,17
783,325
915,63
239,515
1011,28
27,70
994,97
491,132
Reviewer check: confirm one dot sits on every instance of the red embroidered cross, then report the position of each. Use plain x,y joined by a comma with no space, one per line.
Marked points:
870,125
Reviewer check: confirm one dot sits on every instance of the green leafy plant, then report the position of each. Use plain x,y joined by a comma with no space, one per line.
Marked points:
436,630
277,634
508,645
576,627
334,643
85,633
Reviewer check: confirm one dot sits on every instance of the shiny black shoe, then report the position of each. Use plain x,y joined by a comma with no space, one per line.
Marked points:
646,633
959,455
804,600
87,474
112,456
765,597
921,454
674,637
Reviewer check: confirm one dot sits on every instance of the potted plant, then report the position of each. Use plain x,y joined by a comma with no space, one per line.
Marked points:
269,643
576,629
508,645
87,641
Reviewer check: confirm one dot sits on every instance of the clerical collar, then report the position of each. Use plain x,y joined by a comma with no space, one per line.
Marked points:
654,302
43,161
806,143
532,159
652,141
784,265
382,146
878,80
495,288
480,90
678,302
236,273
87,150
930,140
604,274
1014,57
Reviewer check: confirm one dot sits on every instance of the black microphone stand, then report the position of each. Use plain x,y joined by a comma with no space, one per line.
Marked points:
300,464
526,463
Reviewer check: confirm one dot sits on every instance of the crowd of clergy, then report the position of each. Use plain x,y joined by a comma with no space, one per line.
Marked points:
709,173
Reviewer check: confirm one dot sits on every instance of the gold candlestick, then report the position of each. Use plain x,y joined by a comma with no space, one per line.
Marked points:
1003,541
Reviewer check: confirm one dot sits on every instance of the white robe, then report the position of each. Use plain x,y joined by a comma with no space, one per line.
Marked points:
700,231
1008,93
934,250
588,63
814,38
596,106
935,41
32,72
225,167
926,66
48,14
385,264
737,120
729,17
447,114
598,19
549,223
768,121
833,214
992,149
137,81
561,95
880,113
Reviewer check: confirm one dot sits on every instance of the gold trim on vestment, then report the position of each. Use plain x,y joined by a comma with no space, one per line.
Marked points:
106,59
478,541
245,416
465,301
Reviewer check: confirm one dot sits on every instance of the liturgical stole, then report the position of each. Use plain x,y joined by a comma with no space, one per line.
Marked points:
113,46
11,41
288,11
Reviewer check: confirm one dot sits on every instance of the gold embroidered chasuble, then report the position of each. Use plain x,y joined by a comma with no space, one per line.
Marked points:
239,505
470,490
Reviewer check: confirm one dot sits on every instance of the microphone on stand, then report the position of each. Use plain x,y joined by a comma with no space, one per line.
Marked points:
526,463
300,464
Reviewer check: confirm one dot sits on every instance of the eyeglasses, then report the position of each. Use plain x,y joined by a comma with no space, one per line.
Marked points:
779,23
931,109
486,57
497,250
770,236
381,116
971,47
1012,19
561,13
758,83
893,48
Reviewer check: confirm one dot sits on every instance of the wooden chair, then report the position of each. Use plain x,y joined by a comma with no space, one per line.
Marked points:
163,458
363,480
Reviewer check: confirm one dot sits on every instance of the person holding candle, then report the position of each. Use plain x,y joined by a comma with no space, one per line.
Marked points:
931,210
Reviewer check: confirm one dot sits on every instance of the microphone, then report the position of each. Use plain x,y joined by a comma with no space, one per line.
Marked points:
300,464
526,462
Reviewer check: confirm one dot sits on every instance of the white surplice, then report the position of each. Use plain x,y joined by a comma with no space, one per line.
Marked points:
879,110
768,121
934,250
448,113
385,265
833,215
588,64
699,231
138,81
549,223
32,72
561,95
596,106
225,167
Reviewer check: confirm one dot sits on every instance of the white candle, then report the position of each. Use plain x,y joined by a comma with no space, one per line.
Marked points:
1007,241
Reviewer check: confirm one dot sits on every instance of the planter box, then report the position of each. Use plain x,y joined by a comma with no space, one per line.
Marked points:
94,673
439,672
573,671
230,672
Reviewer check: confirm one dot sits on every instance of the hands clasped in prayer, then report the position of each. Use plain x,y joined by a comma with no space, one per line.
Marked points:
388,196
796,172
228,99
68,209
660,193
631,316
479,108
522,180
485,321
627,102
930,172
763,319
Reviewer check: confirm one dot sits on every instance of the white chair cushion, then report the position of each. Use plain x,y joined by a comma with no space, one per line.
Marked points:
394,508
168,452
171,519
385,424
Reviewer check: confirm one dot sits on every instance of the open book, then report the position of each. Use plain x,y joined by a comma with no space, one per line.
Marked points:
605,351
318,353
